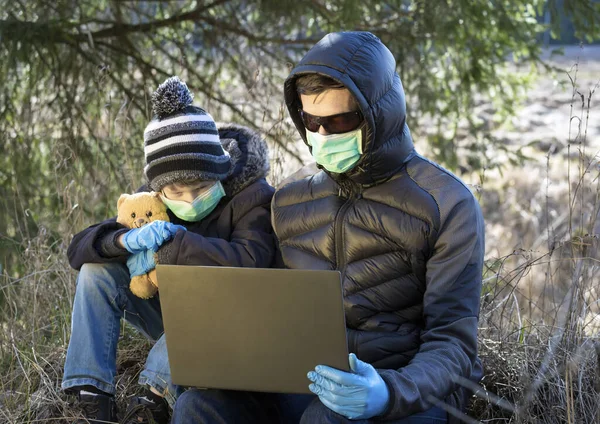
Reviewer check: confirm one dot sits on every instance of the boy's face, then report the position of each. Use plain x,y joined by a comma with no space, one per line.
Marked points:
186,192
330,102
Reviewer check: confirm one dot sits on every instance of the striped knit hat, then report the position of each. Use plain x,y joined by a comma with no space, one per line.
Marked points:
181,142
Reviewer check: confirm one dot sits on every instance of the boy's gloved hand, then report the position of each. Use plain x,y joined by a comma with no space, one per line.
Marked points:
149,237
140,263
358,395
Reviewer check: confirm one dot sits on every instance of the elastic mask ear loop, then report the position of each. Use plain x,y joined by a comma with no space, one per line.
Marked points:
368,156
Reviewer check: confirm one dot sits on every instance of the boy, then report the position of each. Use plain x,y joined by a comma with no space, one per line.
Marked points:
213,183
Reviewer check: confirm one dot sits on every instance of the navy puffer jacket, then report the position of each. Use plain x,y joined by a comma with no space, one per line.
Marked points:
407,236
237,233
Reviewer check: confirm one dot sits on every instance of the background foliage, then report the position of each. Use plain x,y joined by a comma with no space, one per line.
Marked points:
75,82
76,76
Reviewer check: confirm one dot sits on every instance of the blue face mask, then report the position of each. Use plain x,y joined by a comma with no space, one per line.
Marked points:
336,152
202,205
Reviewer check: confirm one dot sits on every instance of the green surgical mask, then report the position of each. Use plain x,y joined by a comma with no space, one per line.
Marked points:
202,205
336,152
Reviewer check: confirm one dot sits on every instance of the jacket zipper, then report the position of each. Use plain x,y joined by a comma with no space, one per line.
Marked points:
340,257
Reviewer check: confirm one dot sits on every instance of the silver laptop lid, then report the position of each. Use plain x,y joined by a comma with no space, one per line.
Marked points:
251,329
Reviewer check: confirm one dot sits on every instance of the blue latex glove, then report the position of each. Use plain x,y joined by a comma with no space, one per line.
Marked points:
358,395
140,263
150,237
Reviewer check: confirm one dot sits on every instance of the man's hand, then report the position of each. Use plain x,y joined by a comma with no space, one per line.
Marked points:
140,263
358,395
149,237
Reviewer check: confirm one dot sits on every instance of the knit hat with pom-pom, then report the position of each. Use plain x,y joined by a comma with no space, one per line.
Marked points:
181,143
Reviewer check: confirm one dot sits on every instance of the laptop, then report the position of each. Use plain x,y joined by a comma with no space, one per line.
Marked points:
251,329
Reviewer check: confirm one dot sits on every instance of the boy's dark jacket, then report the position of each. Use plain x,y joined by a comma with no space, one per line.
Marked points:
407,236
237,233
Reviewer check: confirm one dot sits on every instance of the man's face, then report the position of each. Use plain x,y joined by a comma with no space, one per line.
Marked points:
330,102
186,192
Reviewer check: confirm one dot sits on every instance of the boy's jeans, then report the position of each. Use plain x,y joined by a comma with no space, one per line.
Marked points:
102,298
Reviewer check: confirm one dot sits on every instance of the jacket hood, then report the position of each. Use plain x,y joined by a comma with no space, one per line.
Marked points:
364,65
249,156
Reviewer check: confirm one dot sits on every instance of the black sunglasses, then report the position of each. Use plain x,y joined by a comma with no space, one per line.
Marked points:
333,124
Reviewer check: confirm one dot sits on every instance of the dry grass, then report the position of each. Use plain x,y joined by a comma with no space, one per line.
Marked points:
539,326
34,337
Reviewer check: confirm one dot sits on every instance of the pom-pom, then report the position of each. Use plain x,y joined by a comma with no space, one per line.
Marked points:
171,96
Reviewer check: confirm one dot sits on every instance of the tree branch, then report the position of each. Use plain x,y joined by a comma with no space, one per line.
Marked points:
122,29
195,15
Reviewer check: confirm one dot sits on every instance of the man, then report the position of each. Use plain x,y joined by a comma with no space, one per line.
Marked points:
406,235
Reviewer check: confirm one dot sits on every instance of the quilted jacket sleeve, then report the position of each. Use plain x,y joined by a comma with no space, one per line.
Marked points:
450,311
251,243
96,244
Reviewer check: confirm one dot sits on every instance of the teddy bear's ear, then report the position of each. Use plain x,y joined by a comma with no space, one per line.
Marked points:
155,194
121,199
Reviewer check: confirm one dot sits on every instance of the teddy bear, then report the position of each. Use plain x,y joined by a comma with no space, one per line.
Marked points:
134,211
